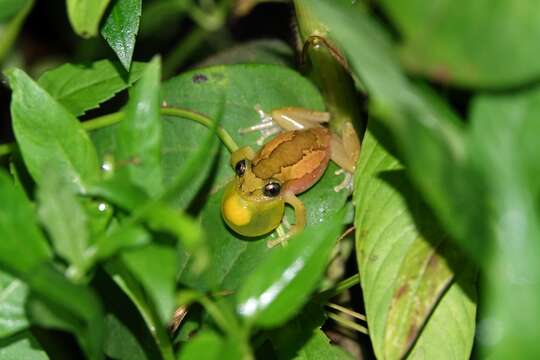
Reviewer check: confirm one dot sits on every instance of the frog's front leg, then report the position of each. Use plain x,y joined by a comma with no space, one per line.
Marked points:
287,118
299,215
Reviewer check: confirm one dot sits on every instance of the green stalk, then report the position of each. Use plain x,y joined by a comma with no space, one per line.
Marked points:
328,72
111,119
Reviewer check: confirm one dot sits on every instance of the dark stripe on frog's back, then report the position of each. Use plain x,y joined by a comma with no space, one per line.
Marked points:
288,152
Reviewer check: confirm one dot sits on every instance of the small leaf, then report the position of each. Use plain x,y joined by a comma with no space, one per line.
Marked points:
56,302
121,27
280,285
208,345
62,214
21,346
23,246
85,15
302,338
120,191
13,294
139,134
120,342
155,267
48,135
83,87
123,237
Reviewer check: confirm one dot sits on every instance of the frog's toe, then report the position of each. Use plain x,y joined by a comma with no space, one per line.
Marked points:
346,183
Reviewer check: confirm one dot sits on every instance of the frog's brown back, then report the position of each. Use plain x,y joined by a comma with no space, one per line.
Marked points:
296,158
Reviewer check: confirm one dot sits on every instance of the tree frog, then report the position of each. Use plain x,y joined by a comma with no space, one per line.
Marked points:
254,201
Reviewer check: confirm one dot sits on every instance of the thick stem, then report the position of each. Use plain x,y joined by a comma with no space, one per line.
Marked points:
328,72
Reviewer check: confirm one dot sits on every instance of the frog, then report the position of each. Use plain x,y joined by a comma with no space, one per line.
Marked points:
253,202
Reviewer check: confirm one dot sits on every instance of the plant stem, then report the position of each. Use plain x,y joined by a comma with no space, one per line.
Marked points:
111,119
347,311
340,287
332,78
347,323
182,50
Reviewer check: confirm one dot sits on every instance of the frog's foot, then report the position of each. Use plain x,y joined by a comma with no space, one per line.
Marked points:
267,126
347,182
283,234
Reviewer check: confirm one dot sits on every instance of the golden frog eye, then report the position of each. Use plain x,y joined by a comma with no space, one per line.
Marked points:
240,168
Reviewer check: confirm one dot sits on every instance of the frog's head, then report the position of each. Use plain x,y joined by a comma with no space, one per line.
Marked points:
252,206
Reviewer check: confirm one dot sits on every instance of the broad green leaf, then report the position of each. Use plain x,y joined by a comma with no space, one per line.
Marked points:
155,267
13,294
139,134
21,346
282,282
430,145
48,135
9,8
120,343
264,51
23,246
83,87
121,27
85,15
400,245
62,214
505,147
58,303
302,338
486,43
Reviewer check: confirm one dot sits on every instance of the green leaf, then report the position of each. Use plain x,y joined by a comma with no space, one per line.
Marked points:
13,294
23,246
469,44
302,338
208,345
505,148
428,142
120,191
139,134
9,8
58,303
121,27
155,267
281,284
264,51
48,135
83,87
85,15
120,342
400,244
124,236
65,219
21,346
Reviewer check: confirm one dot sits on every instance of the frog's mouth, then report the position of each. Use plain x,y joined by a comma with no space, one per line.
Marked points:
249,217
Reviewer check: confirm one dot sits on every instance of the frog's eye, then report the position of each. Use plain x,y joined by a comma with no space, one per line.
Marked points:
240,168
272,189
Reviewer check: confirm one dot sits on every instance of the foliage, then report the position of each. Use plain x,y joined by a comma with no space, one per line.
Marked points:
111,235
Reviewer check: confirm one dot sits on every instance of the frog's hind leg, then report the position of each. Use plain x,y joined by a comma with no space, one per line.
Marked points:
300,219
345,151
287,118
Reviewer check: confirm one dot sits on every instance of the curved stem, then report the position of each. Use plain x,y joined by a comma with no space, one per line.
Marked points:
111,119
